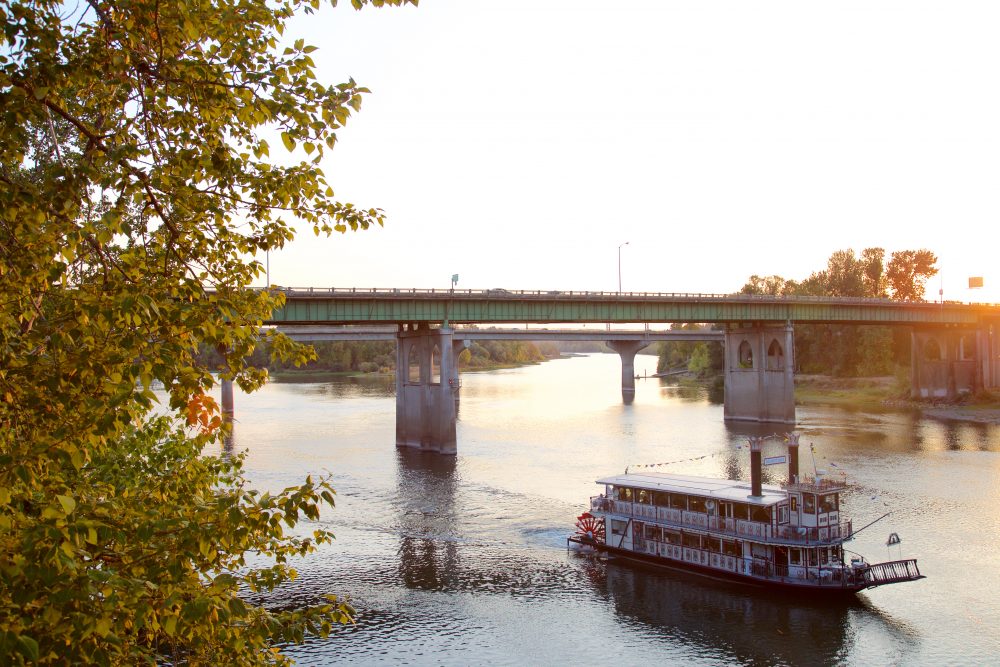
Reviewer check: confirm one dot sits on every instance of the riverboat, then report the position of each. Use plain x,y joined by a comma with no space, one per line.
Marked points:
787,537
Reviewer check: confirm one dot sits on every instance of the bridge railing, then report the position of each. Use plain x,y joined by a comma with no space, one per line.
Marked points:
501,293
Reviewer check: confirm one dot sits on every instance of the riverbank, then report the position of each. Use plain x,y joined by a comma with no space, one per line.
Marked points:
885,392
875,393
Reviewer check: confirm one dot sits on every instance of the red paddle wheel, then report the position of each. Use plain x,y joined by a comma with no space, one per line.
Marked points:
590,527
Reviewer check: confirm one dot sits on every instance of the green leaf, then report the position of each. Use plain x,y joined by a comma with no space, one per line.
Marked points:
68,504
288,141
29,647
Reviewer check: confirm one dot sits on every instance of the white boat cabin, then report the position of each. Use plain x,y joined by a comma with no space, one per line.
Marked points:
783,532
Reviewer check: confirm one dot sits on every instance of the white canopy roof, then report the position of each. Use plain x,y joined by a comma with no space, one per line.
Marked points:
721,489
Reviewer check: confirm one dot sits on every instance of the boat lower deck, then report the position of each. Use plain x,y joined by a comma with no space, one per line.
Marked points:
766,575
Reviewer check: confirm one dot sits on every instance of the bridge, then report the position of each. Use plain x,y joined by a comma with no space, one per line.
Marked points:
954,345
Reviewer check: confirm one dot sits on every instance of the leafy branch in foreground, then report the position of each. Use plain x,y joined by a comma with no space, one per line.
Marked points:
135,181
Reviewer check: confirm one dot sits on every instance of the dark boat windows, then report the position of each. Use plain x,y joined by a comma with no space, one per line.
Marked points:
713,544
731,548
828,503
653,533
696,504
678,501
760,514
795,556
809,503
671,537
692,541
644,496
618,527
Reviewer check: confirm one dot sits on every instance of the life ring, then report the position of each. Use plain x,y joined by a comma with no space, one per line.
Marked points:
710,504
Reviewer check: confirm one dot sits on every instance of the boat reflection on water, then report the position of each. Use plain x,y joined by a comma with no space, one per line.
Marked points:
729,624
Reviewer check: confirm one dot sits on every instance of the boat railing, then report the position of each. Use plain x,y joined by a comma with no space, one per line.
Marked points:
820,485
892,572
834,576
728,525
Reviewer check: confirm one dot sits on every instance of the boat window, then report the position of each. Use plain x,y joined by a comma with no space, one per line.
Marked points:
782,513
696,504
823,556
761,514
653,533
618,527
644,496
731,548
661,498
678,501
692,541
795,503
741,511
713,544
828,503
811,553
809,503
671,537
626,494
795,556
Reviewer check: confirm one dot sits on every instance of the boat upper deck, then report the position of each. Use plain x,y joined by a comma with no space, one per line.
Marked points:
708,487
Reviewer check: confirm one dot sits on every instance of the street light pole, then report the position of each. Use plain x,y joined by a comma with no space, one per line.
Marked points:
620,266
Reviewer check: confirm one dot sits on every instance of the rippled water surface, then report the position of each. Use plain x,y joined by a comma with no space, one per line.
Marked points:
462,560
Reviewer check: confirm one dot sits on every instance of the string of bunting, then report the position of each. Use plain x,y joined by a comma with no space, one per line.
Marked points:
776,436
667,463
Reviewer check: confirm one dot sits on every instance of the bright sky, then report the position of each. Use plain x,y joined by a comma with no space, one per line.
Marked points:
519,143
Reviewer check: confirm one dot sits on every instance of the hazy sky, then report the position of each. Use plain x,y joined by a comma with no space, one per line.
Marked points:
519,143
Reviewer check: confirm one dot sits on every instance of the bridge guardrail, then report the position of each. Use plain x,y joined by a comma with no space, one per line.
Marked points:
498,293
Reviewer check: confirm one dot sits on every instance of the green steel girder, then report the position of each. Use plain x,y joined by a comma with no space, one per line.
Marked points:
347,306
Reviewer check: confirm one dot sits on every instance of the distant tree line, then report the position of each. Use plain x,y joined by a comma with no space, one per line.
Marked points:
834,349
380,356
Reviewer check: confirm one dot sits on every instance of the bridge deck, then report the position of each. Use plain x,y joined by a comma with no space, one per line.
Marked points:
370,306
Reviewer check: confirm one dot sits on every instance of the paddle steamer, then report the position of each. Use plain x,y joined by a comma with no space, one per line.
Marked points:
787,537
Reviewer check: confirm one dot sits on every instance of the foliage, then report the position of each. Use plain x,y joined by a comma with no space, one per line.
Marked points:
702,358
135,180
846,349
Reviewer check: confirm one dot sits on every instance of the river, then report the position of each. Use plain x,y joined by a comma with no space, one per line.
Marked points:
462,560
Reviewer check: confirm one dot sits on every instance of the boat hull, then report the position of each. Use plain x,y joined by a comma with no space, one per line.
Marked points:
771,585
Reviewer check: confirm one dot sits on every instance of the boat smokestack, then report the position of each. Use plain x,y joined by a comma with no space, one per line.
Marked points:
793,458
756,444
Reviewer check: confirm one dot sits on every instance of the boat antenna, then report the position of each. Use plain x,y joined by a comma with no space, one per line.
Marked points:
812,452
870,524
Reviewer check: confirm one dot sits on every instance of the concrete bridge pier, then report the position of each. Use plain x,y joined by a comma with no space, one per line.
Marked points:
627,349
425,405
227,400
946,362
759,373
457,347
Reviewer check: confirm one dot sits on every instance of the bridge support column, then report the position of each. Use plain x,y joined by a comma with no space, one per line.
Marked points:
627,349
425,388
457,347
988,355
227,400
946,362
759,375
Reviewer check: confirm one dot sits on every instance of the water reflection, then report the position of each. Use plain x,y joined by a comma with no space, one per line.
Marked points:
733,625
428,552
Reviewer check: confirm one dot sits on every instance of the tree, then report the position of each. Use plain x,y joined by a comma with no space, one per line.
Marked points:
135,178
908,272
